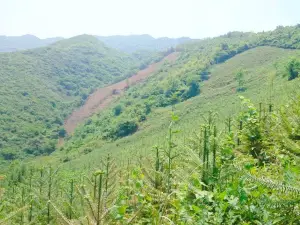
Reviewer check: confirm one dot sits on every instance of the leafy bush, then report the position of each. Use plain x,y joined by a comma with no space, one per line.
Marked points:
62,132
9,154
240,78
117,110
126,128
193,90
293,69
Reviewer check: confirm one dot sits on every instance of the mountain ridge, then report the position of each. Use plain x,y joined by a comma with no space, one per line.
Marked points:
24,42
127,43
131,43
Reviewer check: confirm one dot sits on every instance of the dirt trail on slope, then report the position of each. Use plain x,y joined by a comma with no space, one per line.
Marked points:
102,97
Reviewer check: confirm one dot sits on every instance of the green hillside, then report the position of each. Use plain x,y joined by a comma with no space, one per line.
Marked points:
134,172
212,138
218,94
40,87
186,78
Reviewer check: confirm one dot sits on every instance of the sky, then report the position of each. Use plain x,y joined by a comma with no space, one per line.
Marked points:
159,18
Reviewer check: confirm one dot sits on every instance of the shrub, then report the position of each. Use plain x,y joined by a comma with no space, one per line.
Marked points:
142,118
87,150
117,110
62,132
239,77
126,128
192,91
9,154
204,75
293,69
66,159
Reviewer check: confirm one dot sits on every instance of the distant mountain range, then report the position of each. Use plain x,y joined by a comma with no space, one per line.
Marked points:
15,43
130,43
133,43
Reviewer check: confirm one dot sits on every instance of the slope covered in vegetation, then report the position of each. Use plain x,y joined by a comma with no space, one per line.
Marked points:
185,79
202,154
219,94
102,97
198,167
40,87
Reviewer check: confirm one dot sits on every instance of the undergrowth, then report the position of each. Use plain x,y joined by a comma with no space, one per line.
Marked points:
245,174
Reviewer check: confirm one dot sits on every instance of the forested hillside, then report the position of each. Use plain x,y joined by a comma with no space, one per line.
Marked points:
209,138
40,87
15,43
184,79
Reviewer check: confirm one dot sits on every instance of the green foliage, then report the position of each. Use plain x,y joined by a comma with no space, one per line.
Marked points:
146,57
289,134
240,78
193,90
9,154
117,110
293,69
175,186
62,132
124,129
252,133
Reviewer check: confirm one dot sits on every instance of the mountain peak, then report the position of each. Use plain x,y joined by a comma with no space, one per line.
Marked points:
29,36
83,39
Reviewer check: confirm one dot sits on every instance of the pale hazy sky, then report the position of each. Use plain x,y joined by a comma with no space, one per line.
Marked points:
172,18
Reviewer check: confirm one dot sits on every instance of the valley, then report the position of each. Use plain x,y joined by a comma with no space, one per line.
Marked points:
102,97
43,86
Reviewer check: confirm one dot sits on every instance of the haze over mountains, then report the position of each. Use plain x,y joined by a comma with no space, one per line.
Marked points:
15,43
131,43
127,43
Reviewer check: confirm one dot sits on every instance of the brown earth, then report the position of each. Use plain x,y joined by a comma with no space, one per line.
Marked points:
102,97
